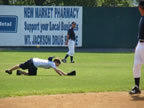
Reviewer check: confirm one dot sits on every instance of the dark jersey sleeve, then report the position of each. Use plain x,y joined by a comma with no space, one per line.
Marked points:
141,29
141,32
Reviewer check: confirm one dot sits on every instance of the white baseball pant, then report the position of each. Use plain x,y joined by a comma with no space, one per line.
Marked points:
138,60
71,47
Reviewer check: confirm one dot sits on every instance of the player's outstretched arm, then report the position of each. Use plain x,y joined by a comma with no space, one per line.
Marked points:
60,72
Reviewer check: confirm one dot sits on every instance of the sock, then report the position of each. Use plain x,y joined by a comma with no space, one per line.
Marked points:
71,58
137,81
66,56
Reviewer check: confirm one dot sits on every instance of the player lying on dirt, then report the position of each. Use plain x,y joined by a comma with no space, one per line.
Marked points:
34,63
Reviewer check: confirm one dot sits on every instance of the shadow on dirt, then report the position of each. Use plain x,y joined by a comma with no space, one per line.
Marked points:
137,98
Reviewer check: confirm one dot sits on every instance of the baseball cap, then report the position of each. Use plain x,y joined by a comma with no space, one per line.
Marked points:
74,23
141,3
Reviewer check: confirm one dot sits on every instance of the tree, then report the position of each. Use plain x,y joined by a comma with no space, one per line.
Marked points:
21,2
85,3
117,3
5,2
39,2
92,3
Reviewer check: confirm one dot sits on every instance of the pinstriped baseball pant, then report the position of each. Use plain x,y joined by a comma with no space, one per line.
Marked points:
138,60
71,47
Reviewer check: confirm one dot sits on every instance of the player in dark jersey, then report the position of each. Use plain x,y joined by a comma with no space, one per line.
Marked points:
71,43
139,52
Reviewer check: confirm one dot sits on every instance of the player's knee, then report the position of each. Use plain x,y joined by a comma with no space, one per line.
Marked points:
136,74
136,67
72,53
137,70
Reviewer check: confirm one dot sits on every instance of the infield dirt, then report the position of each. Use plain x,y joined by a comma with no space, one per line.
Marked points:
79,100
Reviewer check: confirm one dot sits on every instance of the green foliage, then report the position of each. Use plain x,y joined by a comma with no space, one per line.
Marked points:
4,2
117,3
96,72
1,2
91,3
86,3
22,2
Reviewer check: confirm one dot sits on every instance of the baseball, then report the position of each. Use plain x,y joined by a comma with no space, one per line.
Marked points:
38,46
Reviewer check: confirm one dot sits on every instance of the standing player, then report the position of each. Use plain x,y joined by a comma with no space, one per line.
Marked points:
139,52
33,64
71,43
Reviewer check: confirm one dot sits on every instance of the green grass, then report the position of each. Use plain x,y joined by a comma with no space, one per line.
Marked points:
96,72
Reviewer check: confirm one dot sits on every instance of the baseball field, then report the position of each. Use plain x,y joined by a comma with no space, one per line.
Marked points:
98,76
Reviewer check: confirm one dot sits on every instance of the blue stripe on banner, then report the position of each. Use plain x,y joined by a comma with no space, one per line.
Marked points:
8,23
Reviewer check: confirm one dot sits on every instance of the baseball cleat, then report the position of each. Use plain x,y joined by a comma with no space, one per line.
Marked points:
64,60
18,72
72,62
9,72
135,90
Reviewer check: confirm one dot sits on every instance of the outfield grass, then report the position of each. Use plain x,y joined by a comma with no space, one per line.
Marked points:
96,72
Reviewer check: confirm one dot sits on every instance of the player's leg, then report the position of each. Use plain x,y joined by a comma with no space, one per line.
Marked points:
12,69
137,75
71,57
137,70
32,71
20,72
68,53
72,51
22,66
71,47
64,60
138,64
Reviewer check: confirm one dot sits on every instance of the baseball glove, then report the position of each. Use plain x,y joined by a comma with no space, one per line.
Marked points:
72,73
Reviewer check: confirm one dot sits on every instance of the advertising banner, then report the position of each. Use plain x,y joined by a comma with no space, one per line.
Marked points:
39,25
